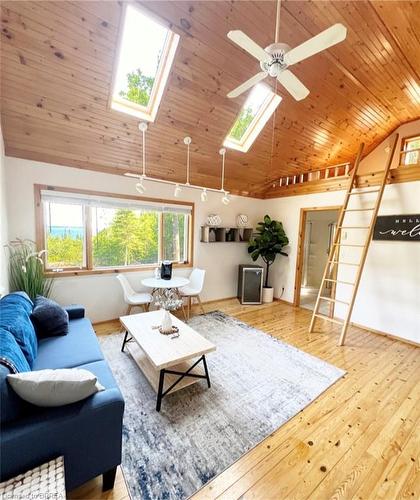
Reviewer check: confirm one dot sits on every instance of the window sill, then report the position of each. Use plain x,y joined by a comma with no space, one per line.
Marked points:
113,270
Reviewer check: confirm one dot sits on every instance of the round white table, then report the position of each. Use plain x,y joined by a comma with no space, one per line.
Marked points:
161,286
174,282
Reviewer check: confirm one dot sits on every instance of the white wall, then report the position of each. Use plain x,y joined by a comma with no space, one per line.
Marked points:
376,159
389,295
101,294
4,282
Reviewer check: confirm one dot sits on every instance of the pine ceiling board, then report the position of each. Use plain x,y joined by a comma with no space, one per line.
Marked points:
58,64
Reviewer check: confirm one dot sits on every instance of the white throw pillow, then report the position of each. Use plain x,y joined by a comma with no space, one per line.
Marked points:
54,387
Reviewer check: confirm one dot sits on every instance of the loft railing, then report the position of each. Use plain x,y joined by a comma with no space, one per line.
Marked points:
340,170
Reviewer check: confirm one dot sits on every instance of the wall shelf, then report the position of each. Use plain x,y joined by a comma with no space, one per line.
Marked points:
211,234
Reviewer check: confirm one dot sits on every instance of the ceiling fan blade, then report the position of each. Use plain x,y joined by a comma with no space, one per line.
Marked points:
248,84
327,38
249,45
293,85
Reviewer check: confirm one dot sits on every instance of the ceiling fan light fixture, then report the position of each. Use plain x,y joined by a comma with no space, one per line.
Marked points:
204,195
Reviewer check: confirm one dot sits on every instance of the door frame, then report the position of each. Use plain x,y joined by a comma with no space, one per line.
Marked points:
301,246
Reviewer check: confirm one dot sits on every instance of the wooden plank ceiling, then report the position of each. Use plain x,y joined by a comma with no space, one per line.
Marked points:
57,65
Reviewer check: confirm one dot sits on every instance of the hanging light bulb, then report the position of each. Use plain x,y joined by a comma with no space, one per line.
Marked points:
204,195
140,187
226,199
177,190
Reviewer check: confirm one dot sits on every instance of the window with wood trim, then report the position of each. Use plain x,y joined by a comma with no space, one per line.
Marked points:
146,53
410,151
99,232
255,113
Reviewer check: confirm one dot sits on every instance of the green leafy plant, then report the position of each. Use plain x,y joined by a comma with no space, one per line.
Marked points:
139,88
269,241
26,269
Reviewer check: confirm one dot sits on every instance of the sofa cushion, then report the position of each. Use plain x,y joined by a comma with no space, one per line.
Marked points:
49,318
49,388
79,347
15,309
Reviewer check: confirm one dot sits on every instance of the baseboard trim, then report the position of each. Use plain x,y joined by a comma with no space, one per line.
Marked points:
203,302
390,335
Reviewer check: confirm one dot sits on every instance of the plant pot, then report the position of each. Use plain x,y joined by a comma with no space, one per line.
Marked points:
267,294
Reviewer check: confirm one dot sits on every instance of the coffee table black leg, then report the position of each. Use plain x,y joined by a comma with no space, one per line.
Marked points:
160,390
206,372
126,339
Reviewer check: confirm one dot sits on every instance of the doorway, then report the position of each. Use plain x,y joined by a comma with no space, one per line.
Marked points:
316,235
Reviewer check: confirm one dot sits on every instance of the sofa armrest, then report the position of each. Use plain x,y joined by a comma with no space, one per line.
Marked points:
88,434
75,311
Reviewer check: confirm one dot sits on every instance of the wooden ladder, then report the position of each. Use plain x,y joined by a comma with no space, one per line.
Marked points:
333,257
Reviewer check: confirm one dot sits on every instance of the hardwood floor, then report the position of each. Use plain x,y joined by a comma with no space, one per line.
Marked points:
360,439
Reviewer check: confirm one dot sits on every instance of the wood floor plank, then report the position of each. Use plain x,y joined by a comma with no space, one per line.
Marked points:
373,412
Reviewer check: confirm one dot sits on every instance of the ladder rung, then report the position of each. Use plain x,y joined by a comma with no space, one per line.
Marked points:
334,300
358,209
329,319
365,192
348,245
339,281
341,262
353,227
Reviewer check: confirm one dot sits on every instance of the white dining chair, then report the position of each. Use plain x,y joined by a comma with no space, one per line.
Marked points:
132,298
193,289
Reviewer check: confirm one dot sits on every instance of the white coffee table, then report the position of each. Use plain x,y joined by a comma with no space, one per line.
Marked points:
168,363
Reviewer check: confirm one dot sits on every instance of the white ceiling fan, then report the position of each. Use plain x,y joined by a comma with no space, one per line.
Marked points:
277,57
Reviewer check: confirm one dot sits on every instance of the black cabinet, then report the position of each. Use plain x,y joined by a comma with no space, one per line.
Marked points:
250,284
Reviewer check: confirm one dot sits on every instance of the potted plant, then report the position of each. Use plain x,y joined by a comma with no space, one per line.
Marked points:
26,269
268,242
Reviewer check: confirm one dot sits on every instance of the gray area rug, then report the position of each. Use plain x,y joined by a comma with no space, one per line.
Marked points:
258,384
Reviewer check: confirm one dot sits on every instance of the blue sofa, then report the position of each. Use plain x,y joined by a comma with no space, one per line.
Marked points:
88,433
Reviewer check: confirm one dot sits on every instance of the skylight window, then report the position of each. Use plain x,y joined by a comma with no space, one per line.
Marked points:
256,111
147,51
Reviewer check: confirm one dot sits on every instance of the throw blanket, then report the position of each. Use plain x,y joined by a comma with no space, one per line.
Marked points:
15,310
11,354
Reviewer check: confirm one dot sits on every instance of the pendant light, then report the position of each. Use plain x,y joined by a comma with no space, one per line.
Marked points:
140,187
225,199
204,195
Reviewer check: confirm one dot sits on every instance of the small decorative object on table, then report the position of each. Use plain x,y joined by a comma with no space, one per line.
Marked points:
167,299
45,481
166,270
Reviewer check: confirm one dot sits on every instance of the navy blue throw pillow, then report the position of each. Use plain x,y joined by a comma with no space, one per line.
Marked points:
49,318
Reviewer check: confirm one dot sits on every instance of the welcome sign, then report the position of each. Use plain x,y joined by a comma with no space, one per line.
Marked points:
397,228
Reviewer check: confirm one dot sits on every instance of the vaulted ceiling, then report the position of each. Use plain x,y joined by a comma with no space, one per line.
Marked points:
57,65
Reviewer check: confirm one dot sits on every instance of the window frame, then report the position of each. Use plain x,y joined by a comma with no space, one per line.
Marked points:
404,151
264,113
148,112
88,248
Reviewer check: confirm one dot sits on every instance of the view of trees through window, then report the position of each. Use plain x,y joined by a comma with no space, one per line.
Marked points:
120,237
412,157
242,123
65,234
139,88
